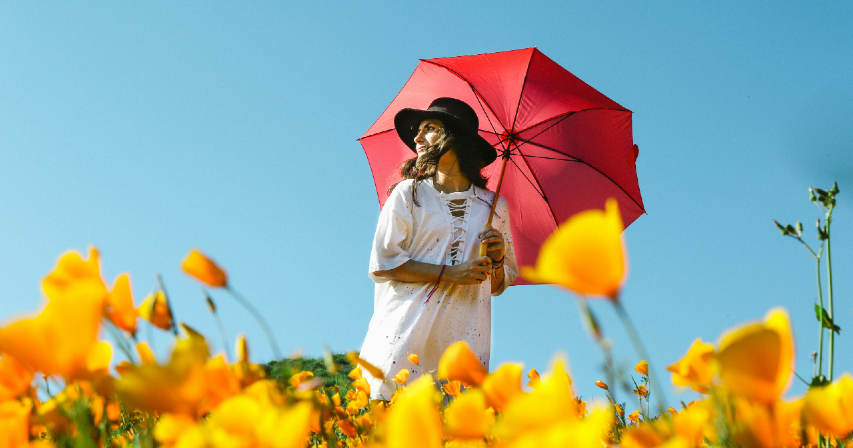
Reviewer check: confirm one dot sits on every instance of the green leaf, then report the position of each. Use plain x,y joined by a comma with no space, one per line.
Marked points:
825,320
781,227
834,190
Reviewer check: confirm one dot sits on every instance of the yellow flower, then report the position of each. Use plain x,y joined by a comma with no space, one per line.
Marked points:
300,378
695,368
413,421
374,371
634,416
619,411
146,356
413,358
691,423
15,379
468,417
63,337
830,408
459,363
402,376
642,367
178,387
241,349
756,360
588,432
502,386
287,428
585,254
550,403
155,309
203,269
602,385
355,373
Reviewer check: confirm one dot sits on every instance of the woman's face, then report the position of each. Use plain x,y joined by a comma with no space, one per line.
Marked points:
429,132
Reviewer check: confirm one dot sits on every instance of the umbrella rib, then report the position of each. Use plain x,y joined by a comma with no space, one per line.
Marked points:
576,159
540,191
521,94
375,133
477,95
535,187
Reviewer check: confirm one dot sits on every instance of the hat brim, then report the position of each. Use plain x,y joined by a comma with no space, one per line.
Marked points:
407,122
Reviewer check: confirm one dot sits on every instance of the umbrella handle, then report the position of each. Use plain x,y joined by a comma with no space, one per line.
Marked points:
495,201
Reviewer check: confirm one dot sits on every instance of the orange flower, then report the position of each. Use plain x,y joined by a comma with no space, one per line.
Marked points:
155,309
468,416
61,338
830,408
452,388
15,379
619,411
120,310
502,386
694,369
641,391
203,269
402,376
413,358
602,385
585,254
634,416
534,378
756,360
459,363
14,423
222,383
642,367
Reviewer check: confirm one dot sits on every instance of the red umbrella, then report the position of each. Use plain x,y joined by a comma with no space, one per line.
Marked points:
564,146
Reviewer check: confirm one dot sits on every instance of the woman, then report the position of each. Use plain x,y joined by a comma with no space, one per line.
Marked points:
432,288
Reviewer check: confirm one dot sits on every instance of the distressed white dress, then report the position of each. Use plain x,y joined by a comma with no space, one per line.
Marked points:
442,230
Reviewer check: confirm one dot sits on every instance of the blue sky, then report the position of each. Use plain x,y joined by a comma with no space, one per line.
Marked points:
147,130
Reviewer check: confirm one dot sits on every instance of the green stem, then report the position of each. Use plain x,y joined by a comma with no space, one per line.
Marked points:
829,291
641,352
820,323
258,317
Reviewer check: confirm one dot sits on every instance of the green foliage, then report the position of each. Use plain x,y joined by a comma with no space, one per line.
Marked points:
284,369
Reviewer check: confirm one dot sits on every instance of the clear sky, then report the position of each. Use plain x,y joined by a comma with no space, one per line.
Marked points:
149,129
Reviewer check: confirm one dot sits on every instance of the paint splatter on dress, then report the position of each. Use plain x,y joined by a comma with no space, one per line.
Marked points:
442,230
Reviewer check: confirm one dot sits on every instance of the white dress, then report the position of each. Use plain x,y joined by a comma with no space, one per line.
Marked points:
442,230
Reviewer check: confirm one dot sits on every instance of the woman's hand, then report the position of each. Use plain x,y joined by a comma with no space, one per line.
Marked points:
494,240
470,272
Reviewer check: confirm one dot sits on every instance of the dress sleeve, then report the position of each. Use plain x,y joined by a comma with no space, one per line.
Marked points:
510,264
391,241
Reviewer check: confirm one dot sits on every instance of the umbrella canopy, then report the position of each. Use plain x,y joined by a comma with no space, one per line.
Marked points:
568,147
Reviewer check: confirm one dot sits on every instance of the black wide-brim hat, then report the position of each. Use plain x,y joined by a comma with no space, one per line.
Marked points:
455,114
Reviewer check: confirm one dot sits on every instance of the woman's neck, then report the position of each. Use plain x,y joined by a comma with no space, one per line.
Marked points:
448,177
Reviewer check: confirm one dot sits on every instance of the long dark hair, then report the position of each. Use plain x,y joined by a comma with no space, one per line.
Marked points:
425,166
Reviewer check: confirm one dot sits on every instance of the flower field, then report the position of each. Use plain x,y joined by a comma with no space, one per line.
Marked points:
59,385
